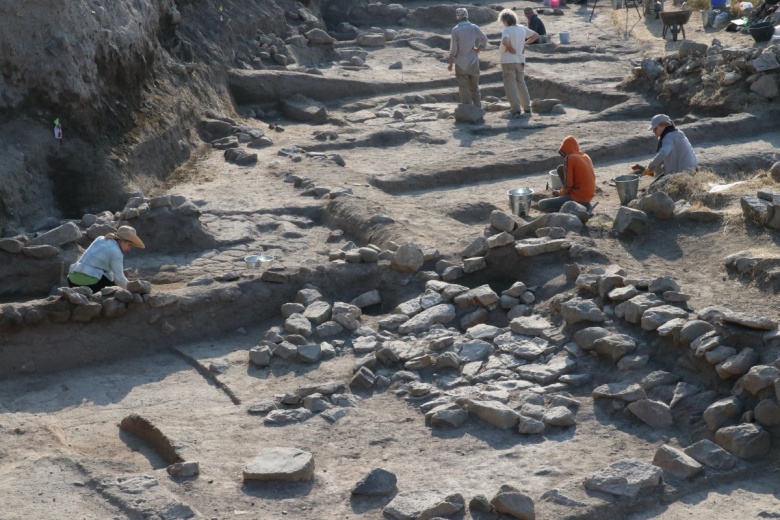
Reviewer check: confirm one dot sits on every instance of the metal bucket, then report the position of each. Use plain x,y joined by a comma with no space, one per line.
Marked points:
708,17
554,180
627,188
520,200
258,261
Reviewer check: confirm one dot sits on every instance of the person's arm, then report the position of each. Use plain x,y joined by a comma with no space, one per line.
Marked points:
569,180
508,45
531,38
116,265
660,157
453,50
482,39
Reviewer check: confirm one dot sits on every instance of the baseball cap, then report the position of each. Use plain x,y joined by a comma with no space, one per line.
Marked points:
658,119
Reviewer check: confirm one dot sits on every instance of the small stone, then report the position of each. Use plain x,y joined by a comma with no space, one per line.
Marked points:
511,501
747,441
676,463
378,482
711,455
183,469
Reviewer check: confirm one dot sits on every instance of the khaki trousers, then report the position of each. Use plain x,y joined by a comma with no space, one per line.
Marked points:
468,84
514,85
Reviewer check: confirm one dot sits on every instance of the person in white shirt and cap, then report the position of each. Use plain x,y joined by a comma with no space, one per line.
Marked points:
514,38
102,264
674,150
466,41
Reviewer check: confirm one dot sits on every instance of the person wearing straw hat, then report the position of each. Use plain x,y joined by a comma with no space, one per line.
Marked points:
674,150
102,264
466,41
577,176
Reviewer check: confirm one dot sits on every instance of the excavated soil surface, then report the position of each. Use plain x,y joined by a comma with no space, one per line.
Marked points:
438,181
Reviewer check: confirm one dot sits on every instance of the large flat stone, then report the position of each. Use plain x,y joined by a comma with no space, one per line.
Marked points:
625,478
282,464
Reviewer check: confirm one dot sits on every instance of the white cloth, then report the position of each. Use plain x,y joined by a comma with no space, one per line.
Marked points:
516,34
102,258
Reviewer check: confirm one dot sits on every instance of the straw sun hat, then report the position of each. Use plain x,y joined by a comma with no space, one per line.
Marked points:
129,234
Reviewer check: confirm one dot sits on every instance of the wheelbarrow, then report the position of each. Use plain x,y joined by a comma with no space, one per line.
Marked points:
674,21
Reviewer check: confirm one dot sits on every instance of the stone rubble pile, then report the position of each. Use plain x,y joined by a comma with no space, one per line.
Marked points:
762,208
636,218
763,268
751,69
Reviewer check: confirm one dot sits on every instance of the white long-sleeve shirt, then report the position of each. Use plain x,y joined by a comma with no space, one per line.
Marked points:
102,258
676,154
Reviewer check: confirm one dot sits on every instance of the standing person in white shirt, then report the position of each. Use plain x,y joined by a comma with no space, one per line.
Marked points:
514,38
466,41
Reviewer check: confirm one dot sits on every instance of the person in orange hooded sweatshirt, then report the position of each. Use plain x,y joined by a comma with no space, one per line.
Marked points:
577,176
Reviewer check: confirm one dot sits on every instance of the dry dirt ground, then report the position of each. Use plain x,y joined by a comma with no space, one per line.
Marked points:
59,434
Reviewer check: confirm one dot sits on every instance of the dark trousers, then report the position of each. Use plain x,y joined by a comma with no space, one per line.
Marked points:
103,282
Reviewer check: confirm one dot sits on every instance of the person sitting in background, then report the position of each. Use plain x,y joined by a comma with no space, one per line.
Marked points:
102,264
577,176
674,150
536,25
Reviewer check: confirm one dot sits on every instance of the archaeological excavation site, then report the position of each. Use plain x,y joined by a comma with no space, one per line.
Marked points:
338,295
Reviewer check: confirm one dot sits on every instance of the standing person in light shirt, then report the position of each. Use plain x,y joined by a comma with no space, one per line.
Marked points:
514,38
466,41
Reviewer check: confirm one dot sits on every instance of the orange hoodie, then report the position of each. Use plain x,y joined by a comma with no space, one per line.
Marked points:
580,178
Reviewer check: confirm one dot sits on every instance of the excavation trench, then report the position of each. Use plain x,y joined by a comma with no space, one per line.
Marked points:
624,148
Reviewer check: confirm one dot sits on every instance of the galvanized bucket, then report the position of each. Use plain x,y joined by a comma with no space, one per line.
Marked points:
627,188
520,200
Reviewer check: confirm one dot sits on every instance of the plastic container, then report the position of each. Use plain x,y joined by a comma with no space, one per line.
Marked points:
520,200
718,4
762,32
627,188
554,180
721,19
555,3
617,4
564,36
708,17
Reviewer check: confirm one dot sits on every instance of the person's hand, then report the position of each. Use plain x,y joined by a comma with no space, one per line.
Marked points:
477,50
449,67
636,166
651,173
556,193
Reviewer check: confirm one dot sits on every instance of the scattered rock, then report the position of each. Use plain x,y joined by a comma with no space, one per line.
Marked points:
511,501
378,482
747,441
412,505
676,463
627,478
469,114
280,464
711,455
